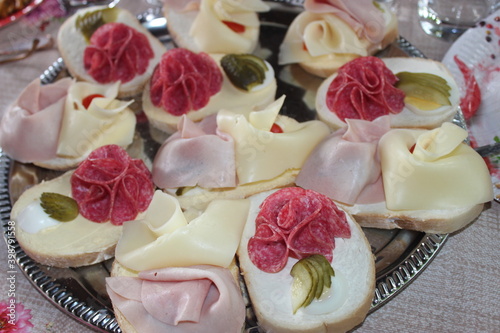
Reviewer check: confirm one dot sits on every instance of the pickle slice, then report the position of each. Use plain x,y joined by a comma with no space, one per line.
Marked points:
424,90
59,207
89,22
245,71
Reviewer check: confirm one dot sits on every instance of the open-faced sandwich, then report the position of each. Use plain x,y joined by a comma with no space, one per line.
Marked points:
414,92
327,34
57,125
199,84
76,219
106,45
424,180
307,264
175,273
215,26
231,155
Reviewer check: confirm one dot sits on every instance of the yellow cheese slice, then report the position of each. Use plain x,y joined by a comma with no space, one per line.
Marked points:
106,121
441,173
163,238
263,155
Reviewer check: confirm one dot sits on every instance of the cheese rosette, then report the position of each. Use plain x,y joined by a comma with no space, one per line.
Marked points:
368,87
216,26
87,126
164,238
442,172
200,298
346,166
195,84
324,38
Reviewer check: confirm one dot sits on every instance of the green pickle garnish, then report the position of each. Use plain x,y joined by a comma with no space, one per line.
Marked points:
312,276
89,22
245,71
424,90
59,207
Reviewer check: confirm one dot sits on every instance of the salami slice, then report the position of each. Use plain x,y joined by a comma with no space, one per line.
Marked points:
117,52
184,81
111,186
364,89
298,223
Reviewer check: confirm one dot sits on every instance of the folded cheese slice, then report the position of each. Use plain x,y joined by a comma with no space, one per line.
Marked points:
163,238
439,172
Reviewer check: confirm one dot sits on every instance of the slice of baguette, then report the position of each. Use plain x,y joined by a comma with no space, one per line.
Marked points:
71,44
353,263
70,244
429,221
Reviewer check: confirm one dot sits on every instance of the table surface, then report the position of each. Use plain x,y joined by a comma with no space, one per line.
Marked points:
457,292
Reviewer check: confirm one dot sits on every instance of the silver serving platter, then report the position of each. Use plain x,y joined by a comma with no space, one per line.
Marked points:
400,255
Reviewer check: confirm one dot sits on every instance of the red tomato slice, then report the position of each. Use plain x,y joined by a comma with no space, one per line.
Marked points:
87,100
276,129
236,27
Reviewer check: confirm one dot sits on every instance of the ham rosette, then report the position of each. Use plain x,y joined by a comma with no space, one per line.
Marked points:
295,222
184,81
30,127
117,52
346,166
179,299
364,89
111,186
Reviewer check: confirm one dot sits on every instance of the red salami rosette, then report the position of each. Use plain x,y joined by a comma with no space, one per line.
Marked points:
298,223
117,52
111,186
364,89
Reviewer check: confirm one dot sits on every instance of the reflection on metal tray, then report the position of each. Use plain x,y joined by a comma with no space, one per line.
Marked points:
80,292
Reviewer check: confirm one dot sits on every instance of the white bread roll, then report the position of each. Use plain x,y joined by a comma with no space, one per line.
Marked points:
72,43
410,116
354,268
69,244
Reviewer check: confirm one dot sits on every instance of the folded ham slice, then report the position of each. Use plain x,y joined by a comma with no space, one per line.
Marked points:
345,166
29,130
199,298
208,155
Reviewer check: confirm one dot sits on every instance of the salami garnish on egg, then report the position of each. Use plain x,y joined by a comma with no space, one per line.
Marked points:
298,223
184,81
364,89
111,186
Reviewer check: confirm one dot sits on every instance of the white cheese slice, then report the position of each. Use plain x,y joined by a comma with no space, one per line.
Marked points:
106,121
441,173
211,238
263,155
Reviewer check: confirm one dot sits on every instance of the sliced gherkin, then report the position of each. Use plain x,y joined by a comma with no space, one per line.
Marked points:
425,89
311,277
59,207
90,21
245,71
